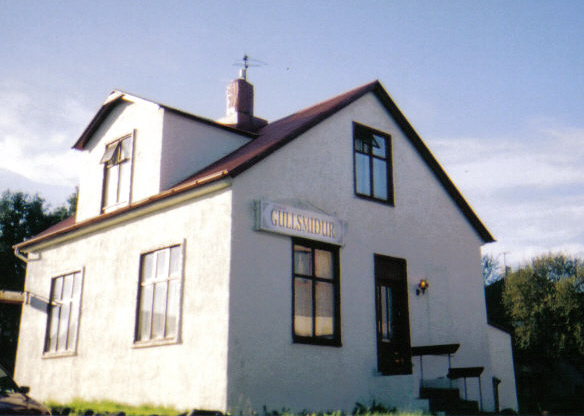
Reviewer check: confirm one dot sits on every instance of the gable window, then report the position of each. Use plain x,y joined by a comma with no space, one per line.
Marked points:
117,160
159,295
372,164
316,309
63,314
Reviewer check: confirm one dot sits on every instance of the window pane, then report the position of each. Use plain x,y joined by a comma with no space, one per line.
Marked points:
172,309
386,312
73,325
63,326
362,174
175,263
379,146
124,182
77,286
75,309
159,314
108,154
110,193
324,309
148,267
302,260
126,148
145,314
380,178
162,258
67,287
53,327
323,264
362,144
58,289
302,307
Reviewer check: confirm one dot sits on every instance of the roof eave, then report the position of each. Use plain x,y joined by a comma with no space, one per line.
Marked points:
145,203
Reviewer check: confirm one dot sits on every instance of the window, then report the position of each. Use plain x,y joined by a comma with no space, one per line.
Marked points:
159,295
117,160
316,314
372,162
63,314
392,316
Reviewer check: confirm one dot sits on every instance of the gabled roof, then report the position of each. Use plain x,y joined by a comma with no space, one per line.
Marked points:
268,140
278,133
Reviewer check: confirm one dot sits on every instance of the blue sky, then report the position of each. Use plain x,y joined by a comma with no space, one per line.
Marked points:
495,88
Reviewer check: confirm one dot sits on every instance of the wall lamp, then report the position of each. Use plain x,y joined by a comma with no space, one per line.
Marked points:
422,286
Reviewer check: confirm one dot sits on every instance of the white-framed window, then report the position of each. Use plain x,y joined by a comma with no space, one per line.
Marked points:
159,294
63,314
117,177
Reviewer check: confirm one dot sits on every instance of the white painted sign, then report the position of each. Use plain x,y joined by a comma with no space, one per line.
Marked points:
288,220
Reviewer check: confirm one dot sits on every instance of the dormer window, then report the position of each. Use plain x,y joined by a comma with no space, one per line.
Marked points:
117,180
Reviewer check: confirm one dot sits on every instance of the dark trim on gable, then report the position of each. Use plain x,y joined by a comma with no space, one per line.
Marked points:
440,174
94,124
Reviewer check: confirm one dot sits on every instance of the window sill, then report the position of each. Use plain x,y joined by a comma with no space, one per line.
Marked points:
111,208
59,354
317,341
155,343
388,202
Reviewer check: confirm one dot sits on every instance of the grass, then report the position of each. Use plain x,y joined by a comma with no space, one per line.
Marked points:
79,407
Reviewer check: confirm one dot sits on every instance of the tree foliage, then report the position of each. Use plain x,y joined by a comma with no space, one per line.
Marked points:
545,305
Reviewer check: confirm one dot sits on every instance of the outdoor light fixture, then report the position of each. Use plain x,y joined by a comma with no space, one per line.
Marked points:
422,286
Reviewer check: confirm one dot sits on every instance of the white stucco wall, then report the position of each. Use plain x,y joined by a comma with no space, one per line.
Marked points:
145,120
503,368
425,228
190,145
236,351
191,373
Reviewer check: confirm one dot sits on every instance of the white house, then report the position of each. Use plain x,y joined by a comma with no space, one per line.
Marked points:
312,262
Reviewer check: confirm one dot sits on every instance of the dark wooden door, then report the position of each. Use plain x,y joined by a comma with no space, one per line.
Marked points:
394,354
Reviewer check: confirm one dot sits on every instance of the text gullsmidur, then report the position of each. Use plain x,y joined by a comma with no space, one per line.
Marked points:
303,223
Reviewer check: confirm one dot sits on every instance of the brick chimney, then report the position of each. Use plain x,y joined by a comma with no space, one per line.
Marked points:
239,109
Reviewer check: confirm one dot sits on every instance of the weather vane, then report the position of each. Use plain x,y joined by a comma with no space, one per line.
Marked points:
246,63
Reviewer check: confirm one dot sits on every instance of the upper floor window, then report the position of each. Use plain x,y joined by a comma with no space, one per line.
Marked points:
117,160
316,310
372,162
159,295
63,316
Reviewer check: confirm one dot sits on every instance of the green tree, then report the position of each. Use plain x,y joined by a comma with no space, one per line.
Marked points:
546,306
21,216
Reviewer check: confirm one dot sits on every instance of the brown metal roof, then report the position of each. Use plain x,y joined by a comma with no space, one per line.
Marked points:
271,138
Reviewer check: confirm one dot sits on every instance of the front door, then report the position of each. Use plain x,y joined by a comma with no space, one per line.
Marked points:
394,354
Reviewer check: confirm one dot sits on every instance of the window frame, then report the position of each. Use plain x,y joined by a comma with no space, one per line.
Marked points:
165,340
335,339
361,130
109,164
70,348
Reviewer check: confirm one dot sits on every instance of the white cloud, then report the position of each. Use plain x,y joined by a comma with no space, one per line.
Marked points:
528,190
36,132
